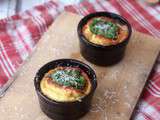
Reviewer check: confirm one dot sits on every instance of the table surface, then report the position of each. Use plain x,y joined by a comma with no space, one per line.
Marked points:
114,98
142,16
11,7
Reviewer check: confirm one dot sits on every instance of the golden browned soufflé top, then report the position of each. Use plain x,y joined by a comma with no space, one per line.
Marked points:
105,31
65,84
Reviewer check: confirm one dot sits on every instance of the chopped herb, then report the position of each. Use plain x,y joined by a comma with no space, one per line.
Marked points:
104,28
69,77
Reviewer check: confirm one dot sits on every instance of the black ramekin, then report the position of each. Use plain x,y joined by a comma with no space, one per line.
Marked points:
98,54
65,110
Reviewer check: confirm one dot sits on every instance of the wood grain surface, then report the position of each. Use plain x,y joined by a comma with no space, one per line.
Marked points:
119,86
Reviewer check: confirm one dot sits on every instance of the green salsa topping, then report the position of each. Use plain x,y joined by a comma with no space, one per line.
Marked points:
105,28
69,78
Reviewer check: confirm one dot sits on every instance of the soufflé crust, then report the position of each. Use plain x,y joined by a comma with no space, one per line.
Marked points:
104,31
65,84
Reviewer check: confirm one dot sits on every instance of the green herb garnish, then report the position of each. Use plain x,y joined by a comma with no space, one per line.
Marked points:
70,78
104,28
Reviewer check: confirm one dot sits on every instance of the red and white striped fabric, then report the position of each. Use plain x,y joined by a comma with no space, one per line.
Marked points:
20,33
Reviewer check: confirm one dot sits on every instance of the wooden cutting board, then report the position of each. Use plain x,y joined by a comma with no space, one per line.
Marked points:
119,86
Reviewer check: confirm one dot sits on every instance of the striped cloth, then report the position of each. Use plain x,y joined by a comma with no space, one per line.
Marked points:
20,33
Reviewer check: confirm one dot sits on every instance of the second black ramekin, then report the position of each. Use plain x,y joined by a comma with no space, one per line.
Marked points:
65,110
98,54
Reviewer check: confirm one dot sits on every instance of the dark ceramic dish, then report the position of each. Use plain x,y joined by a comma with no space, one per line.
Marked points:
98,54
65,110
